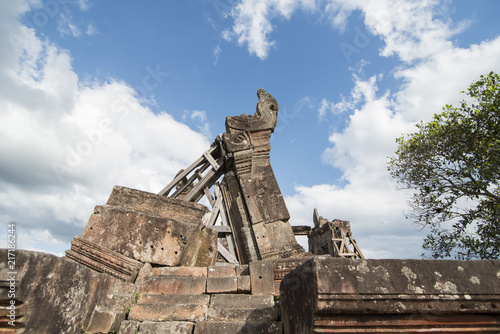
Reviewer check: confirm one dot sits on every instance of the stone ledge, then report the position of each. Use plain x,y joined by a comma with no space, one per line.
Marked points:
321,292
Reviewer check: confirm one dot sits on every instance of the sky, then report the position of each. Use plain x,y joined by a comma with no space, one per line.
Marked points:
96,94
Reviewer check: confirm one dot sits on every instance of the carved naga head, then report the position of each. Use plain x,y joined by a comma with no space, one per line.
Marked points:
267,107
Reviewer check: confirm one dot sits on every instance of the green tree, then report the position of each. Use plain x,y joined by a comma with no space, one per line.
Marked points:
453,165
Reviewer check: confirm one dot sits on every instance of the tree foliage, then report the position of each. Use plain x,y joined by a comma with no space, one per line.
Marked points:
453,164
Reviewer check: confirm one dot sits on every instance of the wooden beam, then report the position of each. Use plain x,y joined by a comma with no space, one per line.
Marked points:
225,253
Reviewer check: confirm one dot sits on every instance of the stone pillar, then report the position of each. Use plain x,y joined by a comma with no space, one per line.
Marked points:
252,193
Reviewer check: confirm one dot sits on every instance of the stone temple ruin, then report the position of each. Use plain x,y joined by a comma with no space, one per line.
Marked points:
165,263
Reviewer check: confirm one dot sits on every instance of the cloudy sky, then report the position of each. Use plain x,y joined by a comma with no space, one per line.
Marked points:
95,94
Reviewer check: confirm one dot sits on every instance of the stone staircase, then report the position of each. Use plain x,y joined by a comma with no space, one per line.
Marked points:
199,300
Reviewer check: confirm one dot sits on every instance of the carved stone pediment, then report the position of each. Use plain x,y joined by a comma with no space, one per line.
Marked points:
265,116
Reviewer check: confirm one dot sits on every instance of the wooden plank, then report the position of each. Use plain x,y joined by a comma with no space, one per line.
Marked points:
179,177
225,222
356,248
208,195
211,159
225,253
165,191
191,179
207,181
222,229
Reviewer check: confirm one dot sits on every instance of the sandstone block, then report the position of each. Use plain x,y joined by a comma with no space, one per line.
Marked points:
103,260
222,284
221,271
209,327
174,299
172,285
181,271
102,319
157,205
168,312
242,270
261,278
240,300
244,285
129,327
239,307
171,327
61,295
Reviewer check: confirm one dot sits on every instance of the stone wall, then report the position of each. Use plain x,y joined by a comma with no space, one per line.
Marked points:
62,296
403,296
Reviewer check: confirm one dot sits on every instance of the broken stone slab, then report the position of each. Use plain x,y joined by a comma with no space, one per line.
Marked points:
164,241
328,292
157,205
171,327
61,295
103,260
219,327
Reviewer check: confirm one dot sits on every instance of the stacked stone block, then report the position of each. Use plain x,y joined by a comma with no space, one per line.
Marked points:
216,299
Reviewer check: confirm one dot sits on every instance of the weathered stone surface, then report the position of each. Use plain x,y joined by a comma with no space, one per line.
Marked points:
261,277
243,301
181,271
327,292
103,260
174,285
257,211
129,327
333,238
244,285
156,205
208,327
222,284
238,218
144,238
242,270
201,251
171,327
167,312
281,267
61,295
222,271
138,236
174,299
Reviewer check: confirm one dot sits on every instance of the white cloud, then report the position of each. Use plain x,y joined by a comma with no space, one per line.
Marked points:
252,24
433,71
217,51
200,118
91,30
83,5
66,26
65,143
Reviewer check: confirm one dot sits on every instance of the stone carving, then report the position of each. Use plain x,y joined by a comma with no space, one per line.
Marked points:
103,260
333,238
252,194
179,287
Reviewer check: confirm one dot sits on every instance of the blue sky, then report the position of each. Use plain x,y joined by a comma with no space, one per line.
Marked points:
102,93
